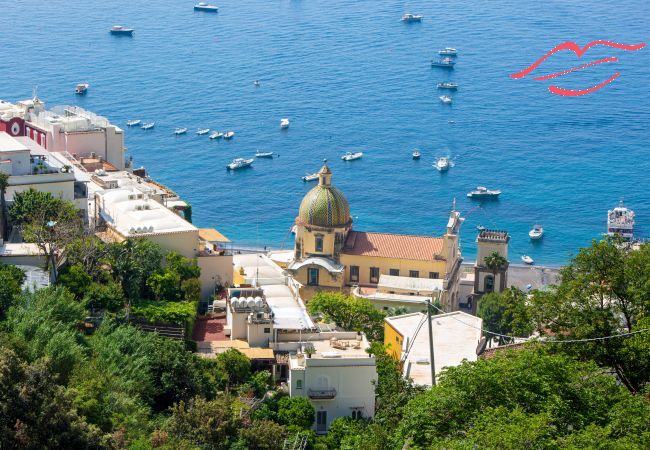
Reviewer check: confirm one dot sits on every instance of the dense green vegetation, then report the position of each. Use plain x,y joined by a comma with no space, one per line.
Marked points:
119,387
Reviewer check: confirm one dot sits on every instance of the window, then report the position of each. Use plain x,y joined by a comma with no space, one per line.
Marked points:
434,275
354,273
312,277
319,242
414,274
356,414
489,283
321,421
374,274
394,272
267,330
396,338
298,384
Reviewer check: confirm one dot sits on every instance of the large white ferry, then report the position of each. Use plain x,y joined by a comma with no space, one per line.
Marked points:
620,221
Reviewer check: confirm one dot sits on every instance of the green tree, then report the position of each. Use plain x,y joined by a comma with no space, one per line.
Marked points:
186,268
264,435
165,285
89,253
36,412
350,313
604,291
495,262
235,365
4,225
107,296
296,411
76,280
132,262
506,313
555,392
11,280
207,424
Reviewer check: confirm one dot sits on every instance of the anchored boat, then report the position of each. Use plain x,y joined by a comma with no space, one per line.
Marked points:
179,131
148,125
120,30
483,192
442,164
536,233
620,221
412,18
264,154
448,85
205,7
81,88
349,156
229,135
216,135
446,63
239,163
448,51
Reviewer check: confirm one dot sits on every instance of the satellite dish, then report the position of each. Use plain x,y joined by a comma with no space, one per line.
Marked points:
480,348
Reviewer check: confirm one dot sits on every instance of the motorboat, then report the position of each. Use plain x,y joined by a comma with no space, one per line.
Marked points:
179,131
284,123
447,63
448,85
536,233
310,177
132,123
148,125
416,154
216,135
412,17
445,99
202,131
442,164
81,88
239,163
229,135
483,192
205,7
620,221
480,227
264,154
256,83
349,156
448,51
120,30
527,260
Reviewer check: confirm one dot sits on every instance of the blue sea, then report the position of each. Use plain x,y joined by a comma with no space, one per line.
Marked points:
352,77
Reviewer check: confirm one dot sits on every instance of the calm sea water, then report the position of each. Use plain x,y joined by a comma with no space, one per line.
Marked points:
351,76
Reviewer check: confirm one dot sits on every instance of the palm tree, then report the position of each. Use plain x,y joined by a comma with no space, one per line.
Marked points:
495,262
4,182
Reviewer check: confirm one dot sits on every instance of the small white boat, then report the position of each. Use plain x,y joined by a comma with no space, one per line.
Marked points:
310,177
229,135
480,227
447,63
179,131
349,156
448,85
620,222
256,83
239,163
527,260
202,6
483,192
416,154
284,123
536,233
202,131
148,125
448,51
120,30
412,18
264,154
442,164
132,123
81,88
445,99
216,135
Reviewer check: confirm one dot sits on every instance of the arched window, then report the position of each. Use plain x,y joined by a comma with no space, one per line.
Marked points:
489,283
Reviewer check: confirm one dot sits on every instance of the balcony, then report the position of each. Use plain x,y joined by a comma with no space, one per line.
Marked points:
321,394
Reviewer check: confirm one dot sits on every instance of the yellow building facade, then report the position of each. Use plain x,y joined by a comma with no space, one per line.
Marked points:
329,254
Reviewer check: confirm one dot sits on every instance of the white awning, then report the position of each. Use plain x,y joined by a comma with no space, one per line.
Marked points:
410,284
325,263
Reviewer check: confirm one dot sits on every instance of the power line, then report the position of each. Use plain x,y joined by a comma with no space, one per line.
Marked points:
545,341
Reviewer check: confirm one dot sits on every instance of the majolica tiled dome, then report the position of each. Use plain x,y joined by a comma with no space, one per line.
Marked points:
324,205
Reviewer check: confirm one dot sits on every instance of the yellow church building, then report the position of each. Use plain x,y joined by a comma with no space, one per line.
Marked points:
329,254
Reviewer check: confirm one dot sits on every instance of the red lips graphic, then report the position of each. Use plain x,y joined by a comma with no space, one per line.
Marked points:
579,51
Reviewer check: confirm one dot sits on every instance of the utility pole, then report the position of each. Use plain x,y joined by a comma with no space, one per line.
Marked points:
433,366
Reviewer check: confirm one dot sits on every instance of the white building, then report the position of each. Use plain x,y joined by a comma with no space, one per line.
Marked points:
127,212
456,336
29,165
64,129
402,292
334,371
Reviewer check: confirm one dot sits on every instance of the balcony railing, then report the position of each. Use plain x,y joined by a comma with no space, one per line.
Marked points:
321,394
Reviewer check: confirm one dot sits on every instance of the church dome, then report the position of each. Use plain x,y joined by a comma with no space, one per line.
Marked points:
324,205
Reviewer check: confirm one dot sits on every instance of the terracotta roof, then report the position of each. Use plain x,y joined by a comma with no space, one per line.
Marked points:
386,245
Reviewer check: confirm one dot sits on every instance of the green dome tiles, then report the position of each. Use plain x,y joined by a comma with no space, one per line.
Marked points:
324,206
